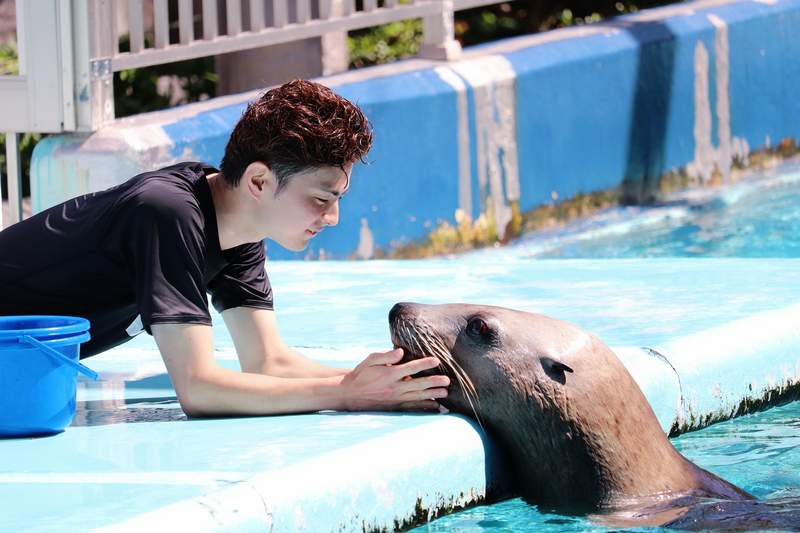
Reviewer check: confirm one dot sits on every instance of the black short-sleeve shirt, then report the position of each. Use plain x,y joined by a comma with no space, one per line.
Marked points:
141,253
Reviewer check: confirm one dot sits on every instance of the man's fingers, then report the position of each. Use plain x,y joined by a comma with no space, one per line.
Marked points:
425,394
422,405
417,365
427,382
384,358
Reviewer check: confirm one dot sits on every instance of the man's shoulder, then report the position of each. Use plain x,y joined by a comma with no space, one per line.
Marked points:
172,191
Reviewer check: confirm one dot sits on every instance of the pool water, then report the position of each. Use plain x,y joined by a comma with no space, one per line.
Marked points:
759,217
760,453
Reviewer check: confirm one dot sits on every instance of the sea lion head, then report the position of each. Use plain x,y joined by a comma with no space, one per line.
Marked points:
490,351
574,422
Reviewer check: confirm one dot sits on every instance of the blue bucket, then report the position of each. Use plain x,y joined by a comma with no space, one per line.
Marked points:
38,373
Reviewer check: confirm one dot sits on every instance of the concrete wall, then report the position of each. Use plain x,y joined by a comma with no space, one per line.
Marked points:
692,86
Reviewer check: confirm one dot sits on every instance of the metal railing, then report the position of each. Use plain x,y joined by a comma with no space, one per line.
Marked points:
70,49
223,26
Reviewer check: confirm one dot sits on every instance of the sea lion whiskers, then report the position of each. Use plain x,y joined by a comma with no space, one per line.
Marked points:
425,342
424,345
464,380
438,348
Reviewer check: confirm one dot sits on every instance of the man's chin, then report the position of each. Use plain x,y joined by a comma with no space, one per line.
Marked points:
295,246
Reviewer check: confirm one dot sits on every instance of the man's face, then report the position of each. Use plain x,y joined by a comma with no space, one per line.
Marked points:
306,205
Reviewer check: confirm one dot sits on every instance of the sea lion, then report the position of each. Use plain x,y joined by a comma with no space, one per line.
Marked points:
577,429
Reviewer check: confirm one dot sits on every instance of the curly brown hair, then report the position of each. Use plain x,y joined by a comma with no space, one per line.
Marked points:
294,127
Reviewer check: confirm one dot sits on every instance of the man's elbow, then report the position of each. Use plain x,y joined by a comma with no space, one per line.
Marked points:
196,398
194,409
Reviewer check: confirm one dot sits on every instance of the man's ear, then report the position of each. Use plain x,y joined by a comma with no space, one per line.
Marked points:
259,179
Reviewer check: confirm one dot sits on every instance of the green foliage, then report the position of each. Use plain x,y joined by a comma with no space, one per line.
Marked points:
26,144
509,19
158,87
384,44
9,61
9,65
397,40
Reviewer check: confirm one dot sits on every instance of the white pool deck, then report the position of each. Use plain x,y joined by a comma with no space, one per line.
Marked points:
131,460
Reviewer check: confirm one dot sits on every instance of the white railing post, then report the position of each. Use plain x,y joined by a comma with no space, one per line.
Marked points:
81,58
280,13
325,9
256,15
161,22
95,43
135,25
14,180
210,20
438,29
233,16
103,46
186,21
303,11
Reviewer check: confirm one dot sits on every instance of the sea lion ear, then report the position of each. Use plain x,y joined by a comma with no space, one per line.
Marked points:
554,364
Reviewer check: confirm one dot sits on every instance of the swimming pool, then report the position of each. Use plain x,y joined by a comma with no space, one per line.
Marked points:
758,217
760,453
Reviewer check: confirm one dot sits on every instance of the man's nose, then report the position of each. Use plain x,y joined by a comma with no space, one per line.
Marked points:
331,216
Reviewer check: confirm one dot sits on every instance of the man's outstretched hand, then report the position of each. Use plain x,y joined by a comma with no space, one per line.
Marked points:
378,383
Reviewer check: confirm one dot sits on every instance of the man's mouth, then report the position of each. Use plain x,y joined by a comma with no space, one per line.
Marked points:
311,232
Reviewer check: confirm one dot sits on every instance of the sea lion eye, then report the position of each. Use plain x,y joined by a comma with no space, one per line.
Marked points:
477,327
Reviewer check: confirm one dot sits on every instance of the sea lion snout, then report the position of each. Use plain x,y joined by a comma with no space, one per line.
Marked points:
398,310
401,317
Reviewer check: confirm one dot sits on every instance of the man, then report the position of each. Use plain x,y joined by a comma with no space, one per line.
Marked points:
142,255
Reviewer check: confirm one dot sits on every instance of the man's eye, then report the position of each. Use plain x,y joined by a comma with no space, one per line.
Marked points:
321,201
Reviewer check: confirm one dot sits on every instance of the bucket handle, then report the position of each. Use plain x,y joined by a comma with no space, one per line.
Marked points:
60,357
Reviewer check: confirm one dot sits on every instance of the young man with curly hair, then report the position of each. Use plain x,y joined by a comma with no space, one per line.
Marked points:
143,255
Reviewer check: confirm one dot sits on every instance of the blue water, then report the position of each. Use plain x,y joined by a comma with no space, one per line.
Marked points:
759,452
756,218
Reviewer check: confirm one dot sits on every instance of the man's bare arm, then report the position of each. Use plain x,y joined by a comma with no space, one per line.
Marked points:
206,389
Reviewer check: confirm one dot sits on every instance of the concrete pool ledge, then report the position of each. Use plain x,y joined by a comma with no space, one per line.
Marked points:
723,372
400,478
134,462
736,368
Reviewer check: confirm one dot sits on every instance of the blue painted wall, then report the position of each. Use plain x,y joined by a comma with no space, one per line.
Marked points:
592,107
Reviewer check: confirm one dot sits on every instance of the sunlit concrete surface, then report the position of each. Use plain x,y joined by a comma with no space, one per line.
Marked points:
728,327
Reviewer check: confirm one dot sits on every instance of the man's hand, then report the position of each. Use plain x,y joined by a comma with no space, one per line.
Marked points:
377,384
